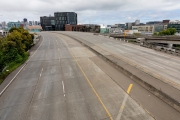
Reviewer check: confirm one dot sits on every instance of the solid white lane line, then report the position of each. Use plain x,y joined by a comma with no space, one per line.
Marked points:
156,65
12,80
19,71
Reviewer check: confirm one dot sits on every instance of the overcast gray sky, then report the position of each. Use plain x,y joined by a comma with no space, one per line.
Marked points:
92,11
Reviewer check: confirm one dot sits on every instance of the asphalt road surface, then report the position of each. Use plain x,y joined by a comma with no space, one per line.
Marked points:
63,80
159,64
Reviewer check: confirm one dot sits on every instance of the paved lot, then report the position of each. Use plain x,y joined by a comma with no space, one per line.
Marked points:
63,82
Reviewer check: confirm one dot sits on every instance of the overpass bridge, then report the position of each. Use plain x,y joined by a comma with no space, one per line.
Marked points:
152,39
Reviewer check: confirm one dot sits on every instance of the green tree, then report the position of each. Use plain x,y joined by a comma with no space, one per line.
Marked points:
172,31
155,33
169,31
13,48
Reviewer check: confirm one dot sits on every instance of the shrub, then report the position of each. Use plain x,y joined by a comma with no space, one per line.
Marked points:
13,48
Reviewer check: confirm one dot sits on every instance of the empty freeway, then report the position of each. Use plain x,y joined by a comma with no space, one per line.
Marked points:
64,80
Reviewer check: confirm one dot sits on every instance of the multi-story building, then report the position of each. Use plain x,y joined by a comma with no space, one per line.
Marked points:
117,28
25,20
159,27
39,23
149,28
3,24
137,22
165,21
13,24
73,27
174,24
120,25
153,22
130,24
47,23
103,29
3,32
165,27
30,23
35,22
144,28
63,18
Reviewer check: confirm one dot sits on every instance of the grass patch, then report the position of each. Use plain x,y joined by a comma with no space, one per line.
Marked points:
11,68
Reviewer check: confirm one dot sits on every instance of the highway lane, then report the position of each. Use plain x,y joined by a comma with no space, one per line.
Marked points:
162,64
61,82
159,109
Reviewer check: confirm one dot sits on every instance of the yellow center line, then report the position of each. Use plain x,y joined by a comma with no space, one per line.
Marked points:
107,112
129,88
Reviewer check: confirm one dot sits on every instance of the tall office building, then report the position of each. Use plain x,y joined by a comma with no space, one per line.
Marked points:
47,23
3,24
63,18
35,22
39,23
30,23
137,22
25,20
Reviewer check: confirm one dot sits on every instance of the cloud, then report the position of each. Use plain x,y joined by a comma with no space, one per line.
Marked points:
92,11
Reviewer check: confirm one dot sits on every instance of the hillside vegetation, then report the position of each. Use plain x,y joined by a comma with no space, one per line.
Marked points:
13,50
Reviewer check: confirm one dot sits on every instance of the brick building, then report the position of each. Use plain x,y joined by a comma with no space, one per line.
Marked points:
69,27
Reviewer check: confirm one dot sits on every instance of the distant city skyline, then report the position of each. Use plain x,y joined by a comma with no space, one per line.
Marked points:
95,12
